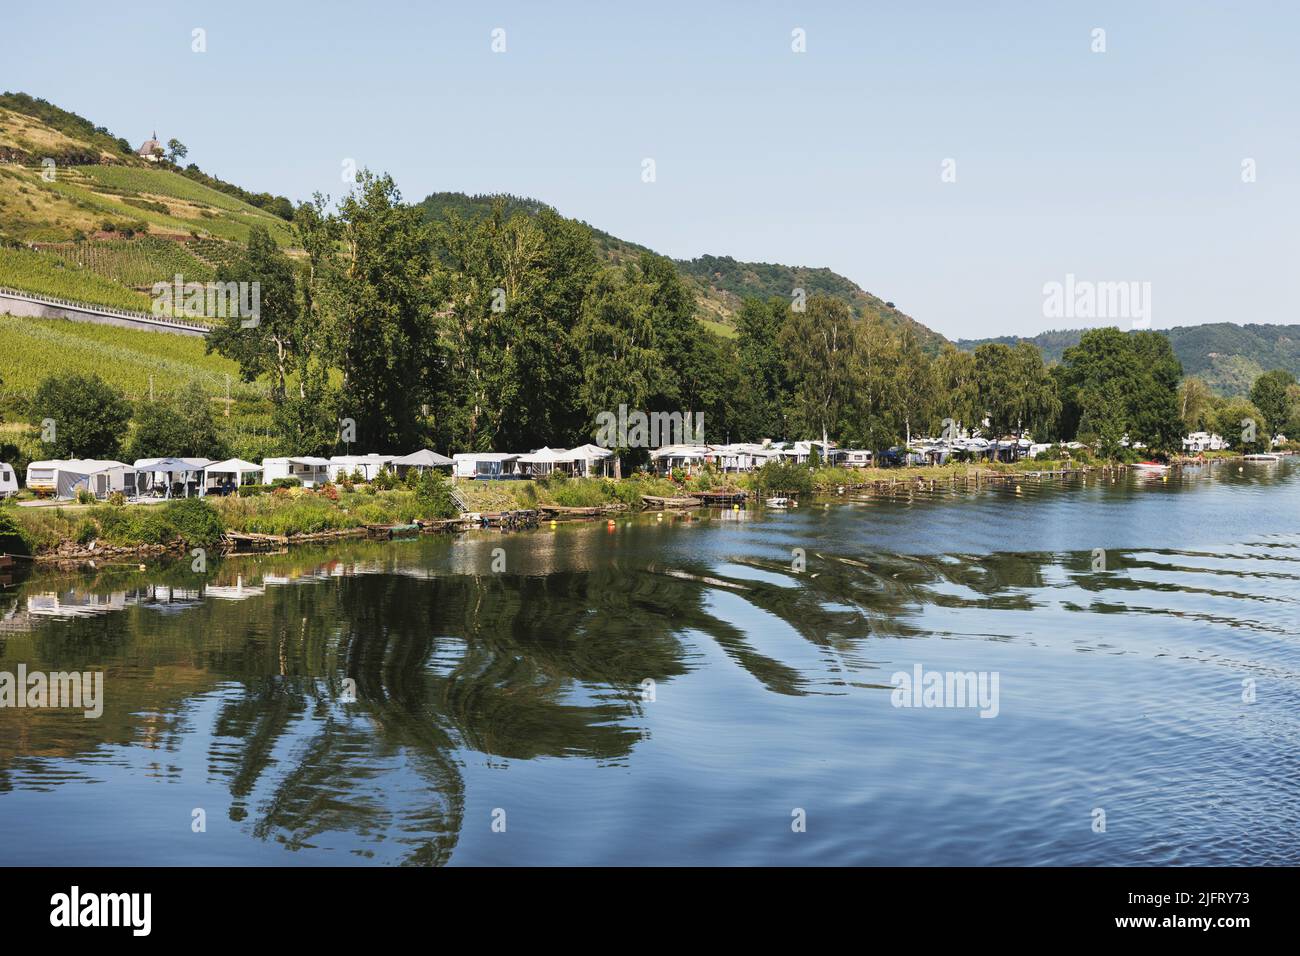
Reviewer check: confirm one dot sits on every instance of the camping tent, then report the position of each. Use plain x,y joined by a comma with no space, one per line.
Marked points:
189,470
586,459
541,462
422,461
225,471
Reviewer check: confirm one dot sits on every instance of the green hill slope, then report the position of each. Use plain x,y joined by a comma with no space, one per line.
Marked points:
721,283
1227,356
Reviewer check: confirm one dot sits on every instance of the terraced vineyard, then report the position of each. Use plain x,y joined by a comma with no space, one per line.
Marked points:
35,348
136,263
46,274
83,199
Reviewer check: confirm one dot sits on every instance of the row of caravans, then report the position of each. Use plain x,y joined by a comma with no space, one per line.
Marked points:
187,477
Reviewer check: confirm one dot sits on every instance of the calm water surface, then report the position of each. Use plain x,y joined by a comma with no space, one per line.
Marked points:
526,693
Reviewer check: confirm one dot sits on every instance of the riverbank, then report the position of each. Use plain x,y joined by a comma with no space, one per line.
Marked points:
73,532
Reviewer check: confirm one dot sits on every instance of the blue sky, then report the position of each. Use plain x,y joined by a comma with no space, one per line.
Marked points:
1115,166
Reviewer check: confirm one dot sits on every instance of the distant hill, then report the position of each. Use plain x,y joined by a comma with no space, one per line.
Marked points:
1227,356
721,283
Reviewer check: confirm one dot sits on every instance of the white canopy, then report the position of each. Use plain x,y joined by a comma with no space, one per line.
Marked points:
586,453
424,458
233,466
544,456
171,466
680,451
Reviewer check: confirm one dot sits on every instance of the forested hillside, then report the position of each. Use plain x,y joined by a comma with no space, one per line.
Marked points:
1227,357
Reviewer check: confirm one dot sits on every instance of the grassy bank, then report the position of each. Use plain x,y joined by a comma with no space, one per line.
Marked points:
288,512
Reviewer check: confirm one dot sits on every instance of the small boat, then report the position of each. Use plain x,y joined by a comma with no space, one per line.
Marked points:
778,502
1260,458
1152,466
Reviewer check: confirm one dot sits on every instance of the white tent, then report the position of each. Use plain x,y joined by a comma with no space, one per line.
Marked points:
171,467
421,461
689,457
231,468
542,461
586,458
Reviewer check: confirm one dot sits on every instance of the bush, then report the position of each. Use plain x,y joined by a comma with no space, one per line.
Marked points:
328,490
433,496
85,497
285,483
12,539
195,521
87,531
252,491
385,480
783,477
117,499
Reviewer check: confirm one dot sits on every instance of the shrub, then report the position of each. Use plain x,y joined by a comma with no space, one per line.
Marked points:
12,539
117,499
87,531
433,496
784,477
285,483
85,497
385,480
328,490
252,491
194,521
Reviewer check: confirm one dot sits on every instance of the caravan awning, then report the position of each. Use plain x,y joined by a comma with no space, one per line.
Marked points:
233,466
543,456
586,453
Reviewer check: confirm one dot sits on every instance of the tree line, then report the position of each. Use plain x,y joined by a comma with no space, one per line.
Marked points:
509,331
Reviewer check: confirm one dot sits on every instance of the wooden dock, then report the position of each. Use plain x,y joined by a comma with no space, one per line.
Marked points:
724,497
660,503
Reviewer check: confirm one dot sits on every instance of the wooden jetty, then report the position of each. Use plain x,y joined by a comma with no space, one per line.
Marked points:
564,511
661,503
392,530
723,497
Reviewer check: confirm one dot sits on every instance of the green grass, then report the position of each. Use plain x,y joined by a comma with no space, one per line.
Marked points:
49,275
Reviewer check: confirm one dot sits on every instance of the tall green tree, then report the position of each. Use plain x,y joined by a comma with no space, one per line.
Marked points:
182,427
615,341
379,296
1269,395
1195,403
764,395
1132,377
819,343
79,416
957,394
278,340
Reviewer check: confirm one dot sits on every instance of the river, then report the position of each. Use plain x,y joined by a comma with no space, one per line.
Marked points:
720,688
